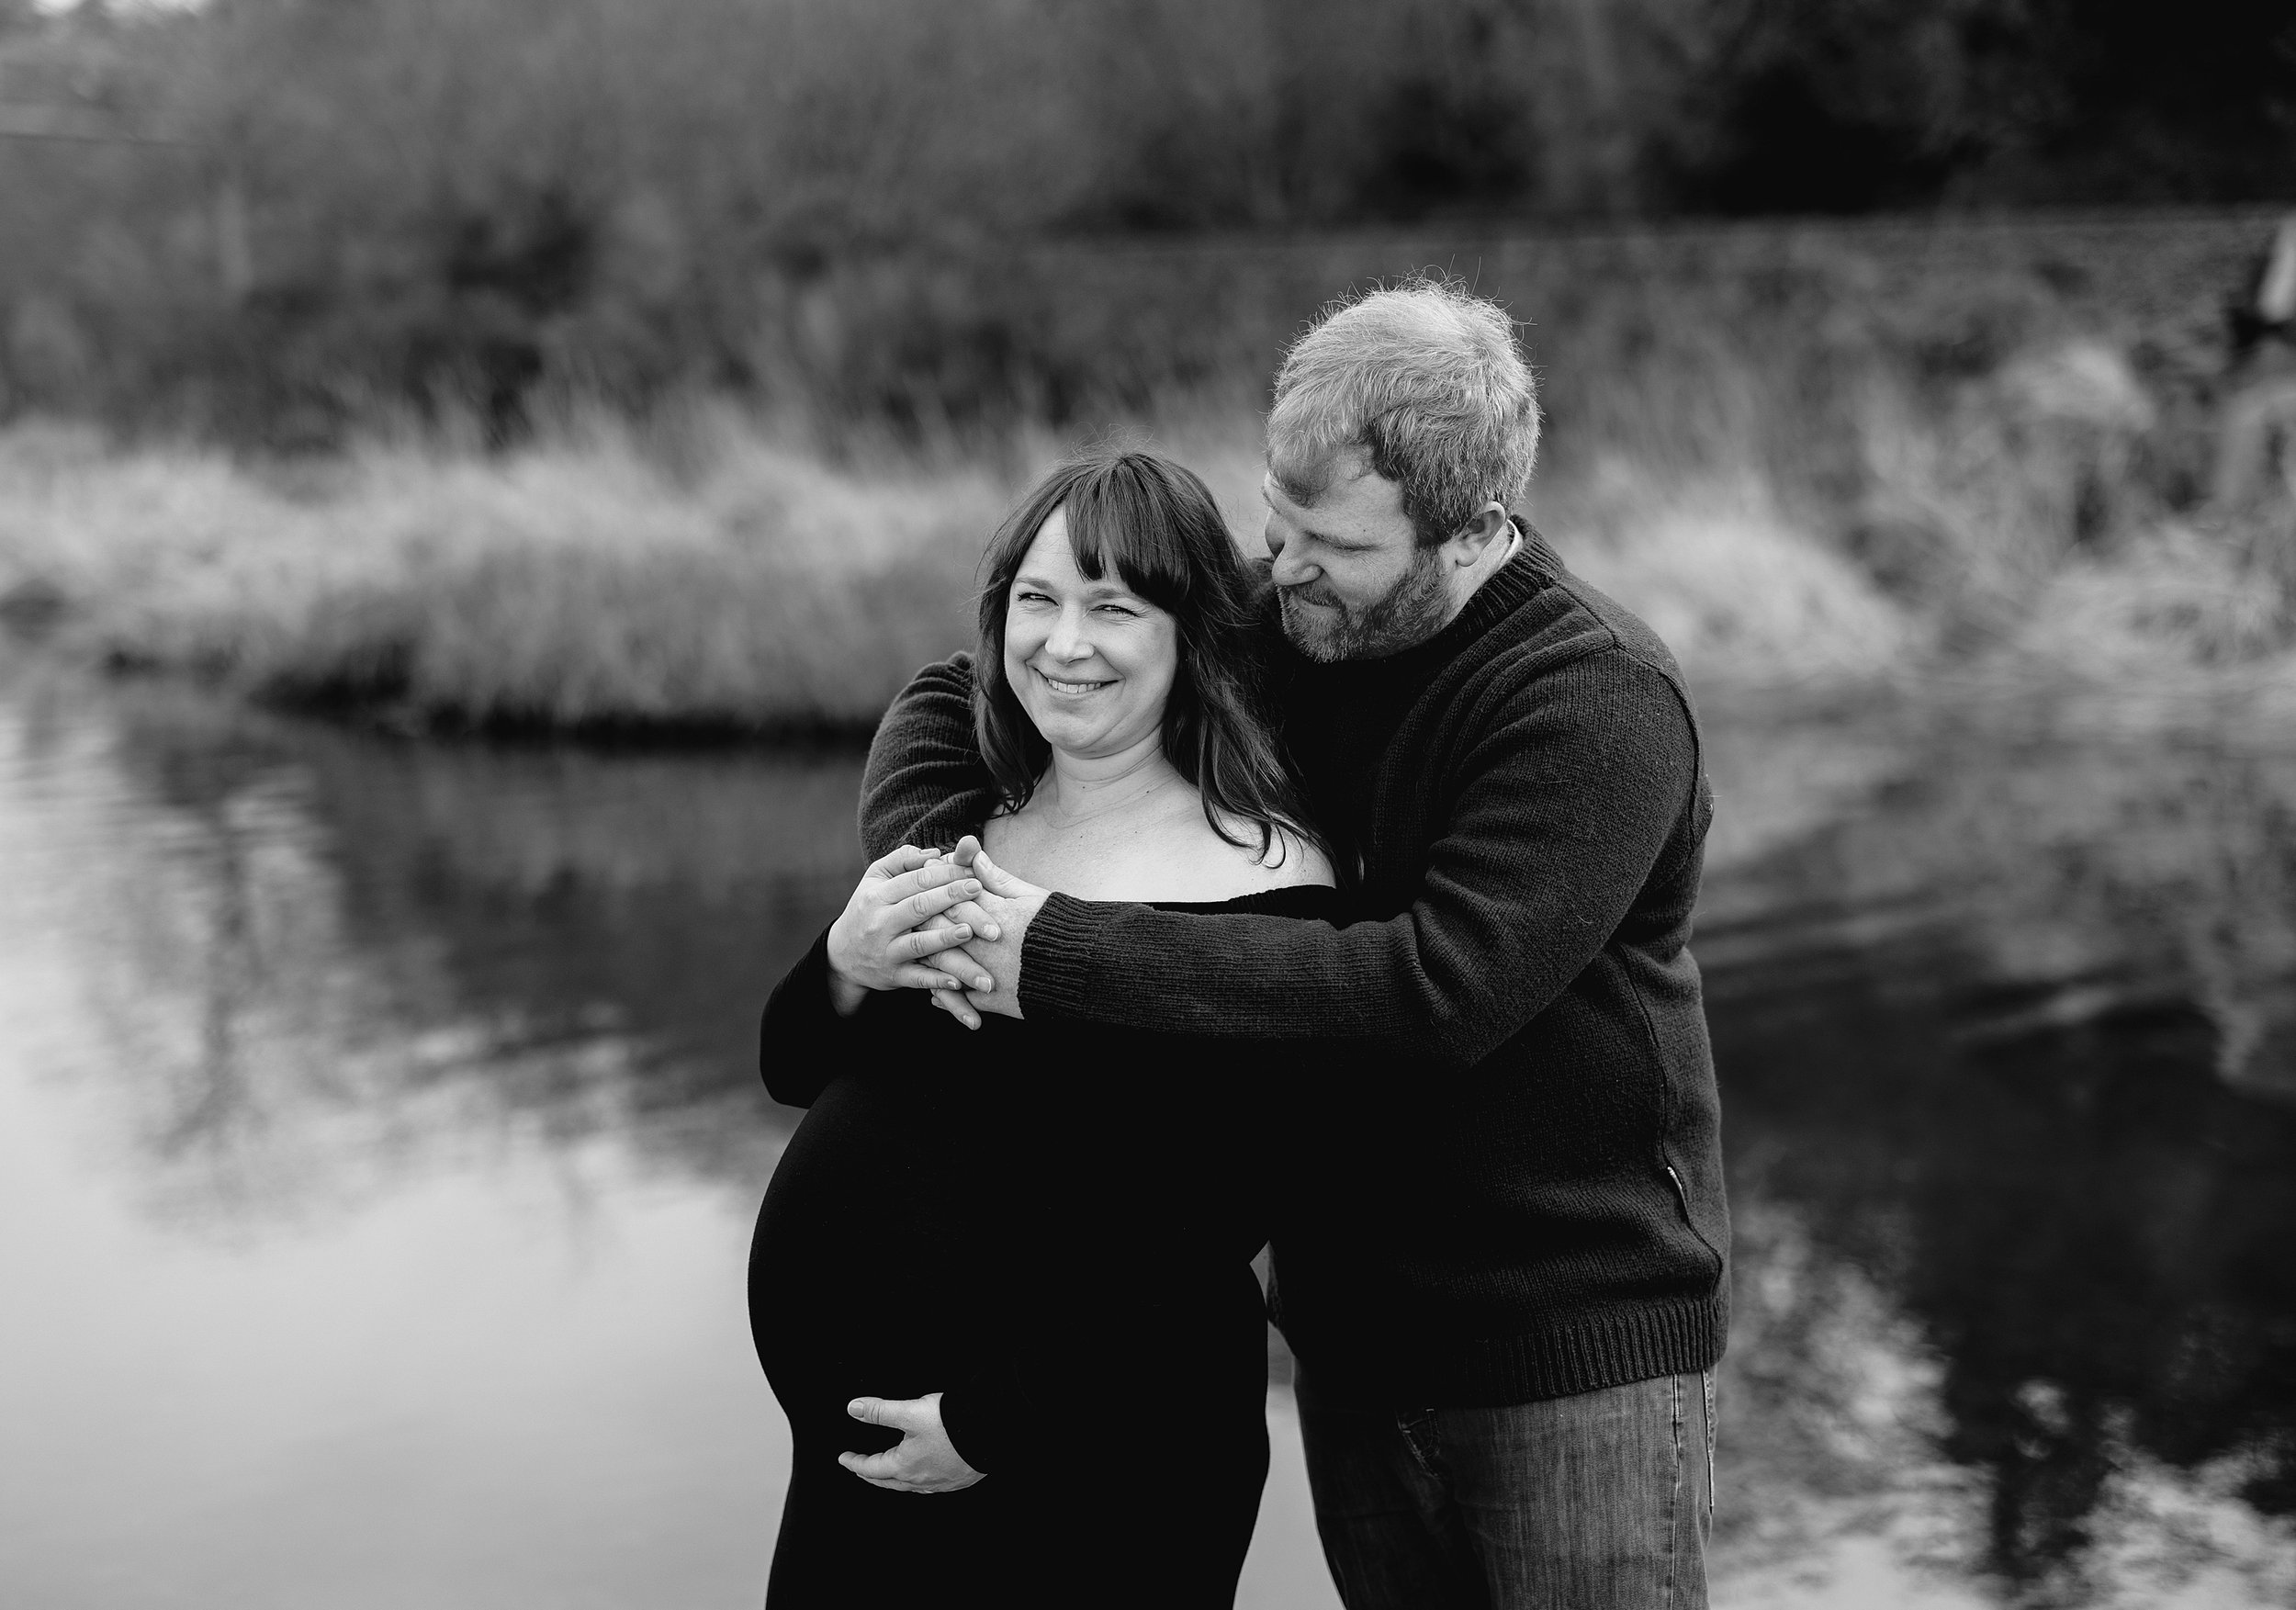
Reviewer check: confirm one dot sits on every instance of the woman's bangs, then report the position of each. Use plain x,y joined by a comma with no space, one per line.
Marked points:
1133,533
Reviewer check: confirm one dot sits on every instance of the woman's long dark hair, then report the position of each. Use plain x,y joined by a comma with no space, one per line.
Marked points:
1158,526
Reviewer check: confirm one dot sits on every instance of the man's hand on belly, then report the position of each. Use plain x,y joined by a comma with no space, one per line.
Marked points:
926,1461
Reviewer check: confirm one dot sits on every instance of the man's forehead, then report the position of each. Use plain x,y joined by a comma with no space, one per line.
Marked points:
1361,500
1304,484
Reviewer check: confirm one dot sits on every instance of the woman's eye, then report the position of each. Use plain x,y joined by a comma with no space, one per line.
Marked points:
1030,598
1121,608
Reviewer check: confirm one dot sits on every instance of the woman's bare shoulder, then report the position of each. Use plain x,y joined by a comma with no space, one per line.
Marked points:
1289,861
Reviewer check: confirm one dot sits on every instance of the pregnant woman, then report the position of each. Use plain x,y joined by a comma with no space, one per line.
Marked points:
1028,1247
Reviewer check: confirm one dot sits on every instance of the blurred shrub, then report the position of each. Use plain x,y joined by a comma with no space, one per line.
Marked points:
708,576
1812,450
574,584
305,214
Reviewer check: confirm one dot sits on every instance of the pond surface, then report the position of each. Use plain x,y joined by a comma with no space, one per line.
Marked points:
380,1137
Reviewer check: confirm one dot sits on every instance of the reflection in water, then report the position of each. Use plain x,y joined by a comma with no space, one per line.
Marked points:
1831,1470
2004,1022
2013,1047
390,1120
424,943
315,1297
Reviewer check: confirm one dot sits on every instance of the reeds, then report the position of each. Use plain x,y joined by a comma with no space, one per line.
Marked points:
577,584
709,574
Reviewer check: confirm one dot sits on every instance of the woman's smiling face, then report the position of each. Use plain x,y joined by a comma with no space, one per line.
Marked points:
1092,662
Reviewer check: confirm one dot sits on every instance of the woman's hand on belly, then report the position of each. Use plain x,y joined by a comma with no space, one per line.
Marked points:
926,1460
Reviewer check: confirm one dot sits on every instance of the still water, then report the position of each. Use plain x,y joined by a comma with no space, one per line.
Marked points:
380,1137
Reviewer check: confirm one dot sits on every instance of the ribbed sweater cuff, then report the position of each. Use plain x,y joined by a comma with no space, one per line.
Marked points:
1056,959
1668,1339
1557,1360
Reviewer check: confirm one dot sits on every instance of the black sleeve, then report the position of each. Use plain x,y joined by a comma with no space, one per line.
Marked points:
992,1418
803,1043
926,783
1565,809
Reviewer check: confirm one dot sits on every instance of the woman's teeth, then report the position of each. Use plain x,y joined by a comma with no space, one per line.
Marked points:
1059,686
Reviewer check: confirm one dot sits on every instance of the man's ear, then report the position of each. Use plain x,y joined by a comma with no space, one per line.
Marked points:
1473,541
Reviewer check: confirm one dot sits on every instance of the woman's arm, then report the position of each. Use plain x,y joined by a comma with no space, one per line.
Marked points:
803,1040
992,1417
885,939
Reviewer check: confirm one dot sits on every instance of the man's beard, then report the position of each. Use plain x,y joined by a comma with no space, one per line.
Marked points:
1412,611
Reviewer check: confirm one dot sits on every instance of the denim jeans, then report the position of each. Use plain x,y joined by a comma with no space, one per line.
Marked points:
1597,1502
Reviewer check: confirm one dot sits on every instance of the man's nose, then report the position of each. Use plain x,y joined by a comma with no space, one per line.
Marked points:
1290,567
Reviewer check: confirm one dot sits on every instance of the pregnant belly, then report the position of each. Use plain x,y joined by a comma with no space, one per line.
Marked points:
913,1233
877,1259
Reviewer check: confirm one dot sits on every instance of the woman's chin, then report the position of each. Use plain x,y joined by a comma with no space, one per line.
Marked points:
1083,737
1077,739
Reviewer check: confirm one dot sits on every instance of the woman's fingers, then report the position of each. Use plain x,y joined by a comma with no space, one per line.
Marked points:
919,943
953,1003
926,875
904,1414
922,880
906,859
918,897
931,903
882,1469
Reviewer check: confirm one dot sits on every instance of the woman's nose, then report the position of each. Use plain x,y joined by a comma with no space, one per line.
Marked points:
1068,640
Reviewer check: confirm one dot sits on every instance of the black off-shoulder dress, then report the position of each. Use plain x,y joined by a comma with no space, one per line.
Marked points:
1052,1225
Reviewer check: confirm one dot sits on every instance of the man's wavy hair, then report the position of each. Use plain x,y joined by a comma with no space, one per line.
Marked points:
1425,379
1157,525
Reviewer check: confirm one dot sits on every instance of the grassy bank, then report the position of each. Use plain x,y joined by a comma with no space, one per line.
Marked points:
732,582
584,582
1816,458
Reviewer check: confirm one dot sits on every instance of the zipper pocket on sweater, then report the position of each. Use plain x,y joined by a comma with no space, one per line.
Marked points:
1682,1201
1682,1195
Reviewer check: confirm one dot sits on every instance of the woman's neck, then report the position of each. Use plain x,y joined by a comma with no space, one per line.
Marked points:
1084,788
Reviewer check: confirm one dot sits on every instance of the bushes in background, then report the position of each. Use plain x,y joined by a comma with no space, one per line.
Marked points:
574,584
283,219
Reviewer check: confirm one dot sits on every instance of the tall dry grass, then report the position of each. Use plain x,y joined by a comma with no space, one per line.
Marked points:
705,571
2044,516
582,582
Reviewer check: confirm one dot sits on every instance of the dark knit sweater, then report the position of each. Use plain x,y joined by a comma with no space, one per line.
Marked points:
1524,1198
